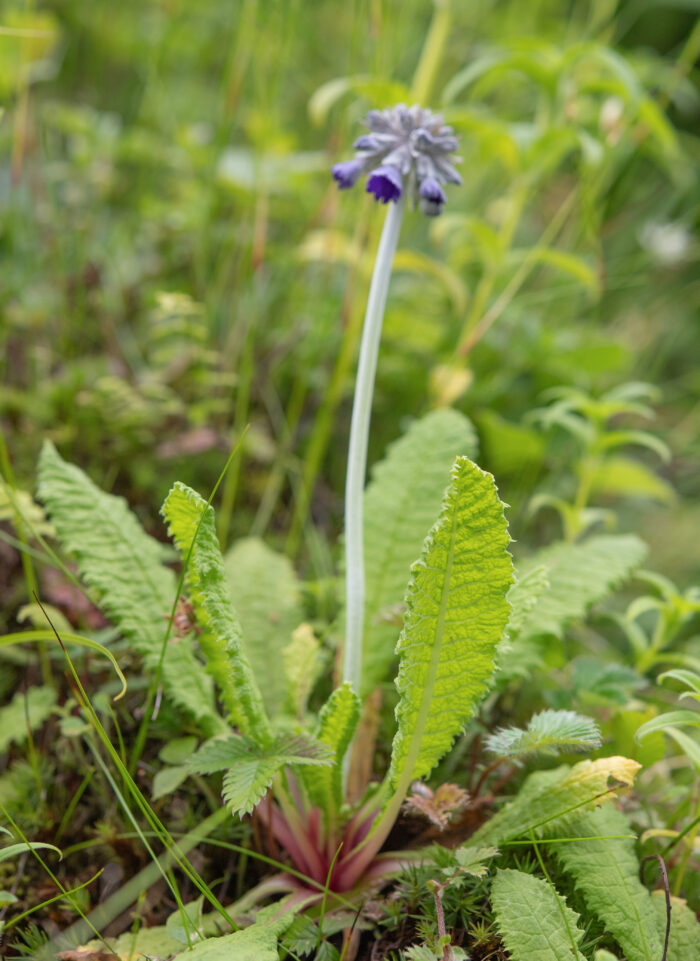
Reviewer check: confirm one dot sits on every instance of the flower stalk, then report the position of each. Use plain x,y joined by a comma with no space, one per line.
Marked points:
407,150
359,439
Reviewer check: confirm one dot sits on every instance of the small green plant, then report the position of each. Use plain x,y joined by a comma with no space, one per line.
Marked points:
600,468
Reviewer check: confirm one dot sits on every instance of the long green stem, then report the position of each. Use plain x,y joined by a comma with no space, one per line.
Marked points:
357,451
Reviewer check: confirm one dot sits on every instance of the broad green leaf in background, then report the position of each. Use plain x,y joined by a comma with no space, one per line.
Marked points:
267,598
220,640
255,943
580,575
136,945
524,595
186,922
302,664
26,712
684,942
125,568
401,502
605,870
510,448
547,796
456,616
534,921
624,477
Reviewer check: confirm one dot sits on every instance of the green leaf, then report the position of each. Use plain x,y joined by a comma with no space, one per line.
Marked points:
255,943
186,921
152,942
267,598
534,921
549,731
168,779
22,637
580,575
191,524
251,769
668,719
605,870
337,722
401,502
178,750
691,679
125,568
524,595
302,664
470,860
15,849
684,942
456,615
624,477
547,796
26,712
689,747
510,448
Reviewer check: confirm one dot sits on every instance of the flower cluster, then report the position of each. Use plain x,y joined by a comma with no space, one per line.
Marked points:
405,146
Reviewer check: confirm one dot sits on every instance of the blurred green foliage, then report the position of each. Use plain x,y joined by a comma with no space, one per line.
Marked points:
177,263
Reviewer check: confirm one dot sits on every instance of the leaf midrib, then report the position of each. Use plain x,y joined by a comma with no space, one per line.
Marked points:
424,710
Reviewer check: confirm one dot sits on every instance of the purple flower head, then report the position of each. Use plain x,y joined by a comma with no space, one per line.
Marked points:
346,173
385,184
432,197
406,147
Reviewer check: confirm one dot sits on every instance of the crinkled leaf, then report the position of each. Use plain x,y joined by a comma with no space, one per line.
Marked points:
456,615
580,575
684,942
302,664
125,568
549,731
524,595
605,870
401,502
534,921
547,796
267,598
337,722
220,639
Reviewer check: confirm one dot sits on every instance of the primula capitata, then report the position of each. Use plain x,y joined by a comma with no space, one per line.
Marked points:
407,148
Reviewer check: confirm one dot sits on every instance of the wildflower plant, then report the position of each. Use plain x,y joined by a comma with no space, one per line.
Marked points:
286,765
